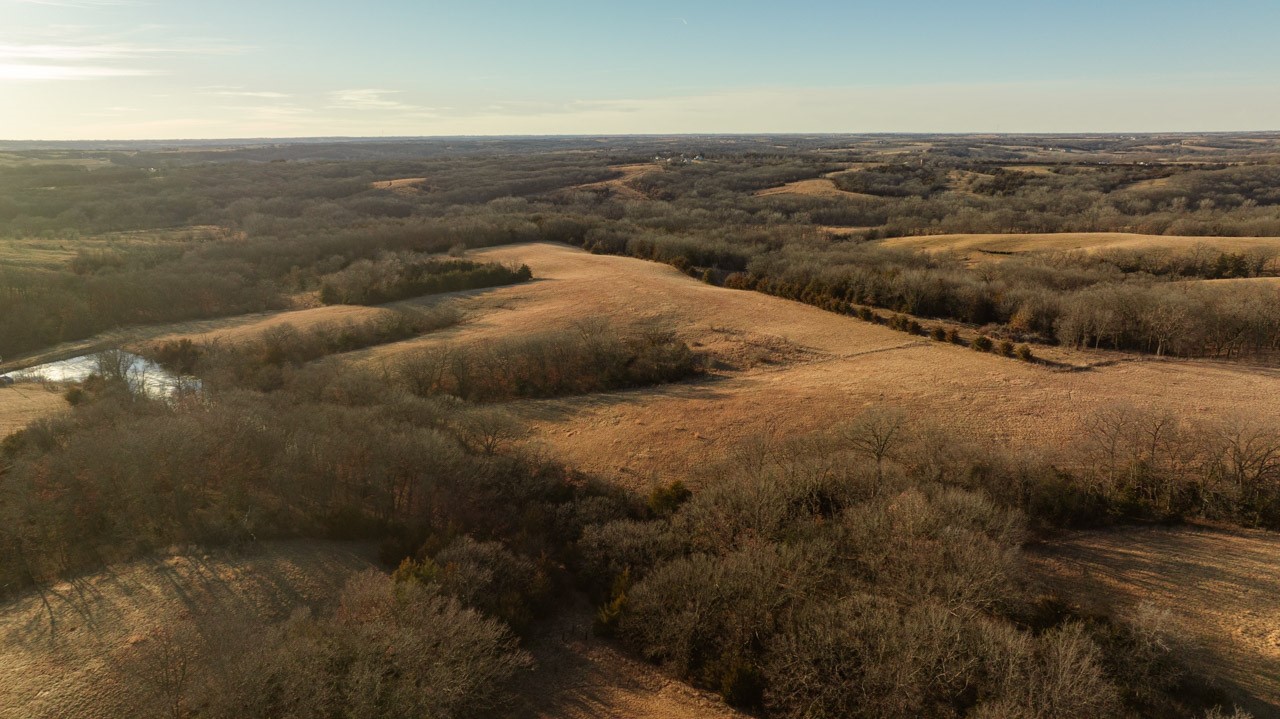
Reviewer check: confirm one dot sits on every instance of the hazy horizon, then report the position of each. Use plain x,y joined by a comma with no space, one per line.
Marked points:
104,70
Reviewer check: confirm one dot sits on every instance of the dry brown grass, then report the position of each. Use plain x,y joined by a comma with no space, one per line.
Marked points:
1219,588
56,660
222,329
620,186
404,185
55,253
787,367
842,231
1031,169
1263,281
816,187
977,246
22,404
250,327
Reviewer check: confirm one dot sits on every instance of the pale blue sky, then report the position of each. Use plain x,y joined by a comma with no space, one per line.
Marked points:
130,69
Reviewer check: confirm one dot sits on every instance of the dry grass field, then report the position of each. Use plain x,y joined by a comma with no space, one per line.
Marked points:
406,185
222,329
779,367
1263,281
816,187
248,327
995,246
1218,587
57,660
23,404
620,186
787,367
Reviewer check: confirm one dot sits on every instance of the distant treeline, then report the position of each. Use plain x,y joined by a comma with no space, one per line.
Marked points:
326,225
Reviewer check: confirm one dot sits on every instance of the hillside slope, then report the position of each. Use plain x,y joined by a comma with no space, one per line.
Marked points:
57,659
1219,588
788,367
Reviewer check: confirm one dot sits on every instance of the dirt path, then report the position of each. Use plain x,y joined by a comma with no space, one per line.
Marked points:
60,669
1221,589
789,367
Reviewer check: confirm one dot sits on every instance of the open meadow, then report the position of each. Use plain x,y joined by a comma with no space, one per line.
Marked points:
662,427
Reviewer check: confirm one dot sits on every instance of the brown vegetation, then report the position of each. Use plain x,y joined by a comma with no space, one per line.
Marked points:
830,500
60,647
20,405
1214,587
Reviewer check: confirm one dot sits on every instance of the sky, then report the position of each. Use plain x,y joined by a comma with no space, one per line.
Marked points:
169,69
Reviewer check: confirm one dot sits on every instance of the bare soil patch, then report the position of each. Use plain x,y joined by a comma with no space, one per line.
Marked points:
1219,588
56,660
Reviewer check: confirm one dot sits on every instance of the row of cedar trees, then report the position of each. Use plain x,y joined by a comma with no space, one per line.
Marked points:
1162,318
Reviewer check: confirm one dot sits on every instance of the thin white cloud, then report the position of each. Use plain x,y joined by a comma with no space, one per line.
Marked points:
367,99
376,100
81,3
37,61
264,95
35,72
66,53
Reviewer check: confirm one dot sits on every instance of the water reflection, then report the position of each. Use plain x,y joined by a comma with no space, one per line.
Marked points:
142,375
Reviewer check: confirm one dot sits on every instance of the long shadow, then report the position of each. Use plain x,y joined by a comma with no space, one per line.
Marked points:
567,407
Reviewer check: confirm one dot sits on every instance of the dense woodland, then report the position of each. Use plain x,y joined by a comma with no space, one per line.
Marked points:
883,553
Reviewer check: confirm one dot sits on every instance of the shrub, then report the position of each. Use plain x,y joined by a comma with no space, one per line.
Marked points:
939,334
1005,348
1023,353
591,357
75,396
665,499
982,343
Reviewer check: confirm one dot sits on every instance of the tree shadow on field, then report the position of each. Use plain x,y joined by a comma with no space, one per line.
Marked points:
267,582
707,388
1218,587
